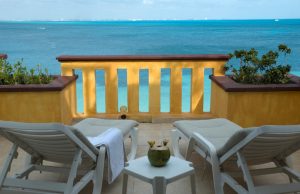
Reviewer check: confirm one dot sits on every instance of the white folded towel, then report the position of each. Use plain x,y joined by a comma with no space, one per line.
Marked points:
112,139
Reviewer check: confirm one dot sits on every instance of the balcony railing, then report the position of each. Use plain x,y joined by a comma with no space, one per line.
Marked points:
133,64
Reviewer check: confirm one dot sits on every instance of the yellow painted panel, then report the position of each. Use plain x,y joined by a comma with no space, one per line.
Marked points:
111,90
197,88
176,89
250,109
264,108
219,101
155,118
154,89
133,89
30,106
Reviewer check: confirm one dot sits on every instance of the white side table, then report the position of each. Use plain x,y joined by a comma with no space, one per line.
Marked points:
159,177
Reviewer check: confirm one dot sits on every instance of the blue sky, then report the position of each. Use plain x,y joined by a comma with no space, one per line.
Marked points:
147,9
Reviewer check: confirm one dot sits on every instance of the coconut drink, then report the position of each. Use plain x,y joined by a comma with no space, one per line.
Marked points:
158,155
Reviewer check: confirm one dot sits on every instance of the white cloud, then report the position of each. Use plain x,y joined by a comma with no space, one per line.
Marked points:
147,9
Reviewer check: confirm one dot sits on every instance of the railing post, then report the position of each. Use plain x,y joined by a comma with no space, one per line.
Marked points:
133,89
111,90
176,89
89,91
154,89
197,89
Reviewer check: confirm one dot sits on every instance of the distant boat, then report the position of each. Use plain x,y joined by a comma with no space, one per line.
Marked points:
276,20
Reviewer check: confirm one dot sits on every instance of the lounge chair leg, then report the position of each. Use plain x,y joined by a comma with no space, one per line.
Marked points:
98,176
125,182
73,171
287,170
289,163
7,163
175,136
27,163
241,161
216,172
190,149
193,184
217,179
133,148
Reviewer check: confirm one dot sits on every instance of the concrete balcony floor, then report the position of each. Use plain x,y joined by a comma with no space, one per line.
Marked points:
149,131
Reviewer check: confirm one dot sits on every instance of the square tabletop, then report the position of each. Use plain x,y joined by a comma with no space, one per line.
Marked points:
176,168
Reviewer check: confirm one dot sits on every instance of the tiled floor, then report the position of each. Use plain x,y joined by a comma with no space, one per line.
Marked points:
147,132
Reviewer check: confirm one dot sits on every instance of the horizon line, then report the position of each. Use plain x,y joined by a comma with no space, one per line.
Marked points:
144,20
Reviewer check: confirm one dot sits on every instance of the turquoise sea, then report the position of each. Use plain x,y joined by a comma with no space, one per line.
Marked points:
40,42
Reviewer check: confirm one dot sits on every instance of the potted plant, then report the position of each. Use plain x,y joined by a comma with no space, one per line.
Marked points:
34,95
257,91
158,155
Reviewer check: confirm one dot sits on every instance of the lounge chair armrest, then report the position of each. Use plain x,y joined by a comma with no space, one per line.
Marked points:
204,146
176,135
133,149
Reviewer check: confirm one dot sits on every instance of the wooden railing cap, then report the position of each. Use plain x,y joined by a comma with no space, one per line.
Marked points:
70,58
3,56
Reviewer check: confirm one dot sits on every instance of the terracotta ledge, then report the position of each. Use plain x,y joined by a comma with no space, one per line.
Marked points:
58,84
3,56
70,58
229,85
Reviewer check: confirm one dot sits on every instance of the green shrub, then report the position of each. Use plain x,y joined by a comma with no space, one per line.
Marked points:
11,74
260,70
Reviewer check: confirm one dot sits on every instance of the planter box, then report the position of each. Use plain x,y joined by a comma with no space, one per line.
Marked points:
38,103
3,56
253,105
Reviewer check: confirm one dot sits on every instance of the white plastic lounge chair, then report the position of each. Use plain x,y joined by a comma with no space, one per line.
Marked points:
92,127
220,141
55,143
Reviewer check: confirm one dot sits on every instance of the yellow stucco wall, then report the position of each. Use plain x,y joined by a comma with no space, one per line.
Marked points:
219,101
67,103
256,108
36,106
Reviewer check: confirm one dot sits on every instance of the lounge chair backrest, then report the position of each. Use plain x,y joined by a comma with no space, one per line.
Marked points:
48,141
272,142
263,144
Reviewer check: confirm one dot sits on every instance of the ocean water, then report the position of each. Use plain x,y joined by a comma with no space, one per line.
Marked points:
42,42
